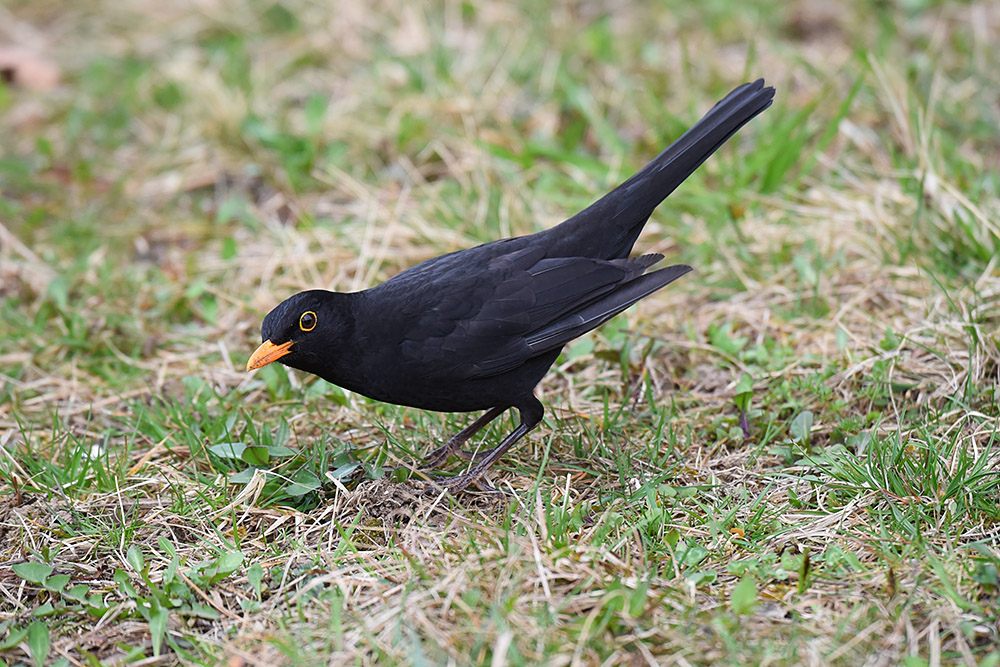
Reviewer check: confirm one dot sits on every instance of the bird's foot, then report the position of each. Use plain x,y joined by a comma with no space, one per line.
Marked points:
420,469
453,483
441,454
454,445
437,456
463,481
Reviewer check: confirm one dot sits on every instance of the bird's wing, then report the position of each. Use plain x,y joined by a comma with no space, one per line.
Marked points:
495,315
583,311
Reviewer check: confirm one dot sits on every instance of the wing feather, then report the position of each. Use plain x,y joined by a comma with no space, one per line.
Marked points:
490,317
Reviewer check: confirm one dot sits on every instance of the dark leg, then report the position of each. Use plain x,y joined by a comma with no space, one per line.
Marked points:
531,414
454,444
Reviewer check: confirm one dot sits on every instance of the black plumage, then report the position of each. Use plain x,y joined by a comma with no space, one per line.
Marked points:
478,328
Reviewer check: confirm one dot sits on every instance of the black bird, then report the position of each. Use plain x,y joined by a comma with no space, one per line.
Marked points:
478,328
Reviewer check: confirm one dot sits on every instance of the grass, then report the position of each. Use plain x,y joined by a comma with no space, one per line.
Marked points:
198,163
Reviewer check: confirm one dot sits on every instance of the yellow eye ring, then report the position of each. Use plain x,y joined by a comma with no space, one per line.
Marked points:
307,322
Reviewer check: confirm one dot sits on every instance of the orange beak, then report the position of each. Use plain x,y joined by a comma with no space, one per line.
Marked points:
268,353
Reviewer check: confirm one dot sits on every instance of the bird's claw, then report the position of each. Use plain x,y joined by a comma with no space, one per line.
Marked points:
463,481
436,457
441,454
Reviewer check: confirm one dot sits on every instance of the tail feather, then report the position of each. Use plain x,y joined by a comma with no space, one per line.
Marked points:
609,227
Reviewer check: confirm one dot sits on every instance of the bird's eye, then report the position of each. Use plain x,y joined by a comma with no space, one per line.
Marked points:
308,321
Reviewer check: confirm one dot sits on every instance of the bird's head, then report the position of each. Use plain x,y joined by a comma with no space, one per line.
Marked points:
302,332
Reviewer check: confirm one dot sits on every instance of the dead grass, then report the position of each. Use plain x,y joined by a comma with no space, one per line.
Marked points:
862,293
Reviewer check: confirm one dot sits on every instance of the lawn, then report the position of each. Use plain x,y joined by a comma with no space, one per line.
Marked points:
169,171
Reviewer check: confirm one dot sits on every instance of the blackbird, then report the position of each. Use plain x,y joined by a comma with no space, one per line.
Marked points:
478,328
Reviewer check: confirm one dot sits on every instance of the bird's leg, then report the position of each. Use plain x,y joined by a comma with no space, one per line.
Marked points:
454,444
531,414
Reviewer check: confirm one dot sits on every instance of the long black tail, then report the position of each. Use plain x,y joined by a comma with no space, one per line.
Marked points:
608,228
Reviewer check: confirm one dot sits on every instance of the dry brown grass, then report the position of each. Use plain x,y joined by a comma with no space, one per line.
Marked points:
585,561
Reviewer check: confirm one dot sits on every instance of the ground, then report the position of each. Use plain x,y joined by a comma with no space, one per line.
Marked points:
787,457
